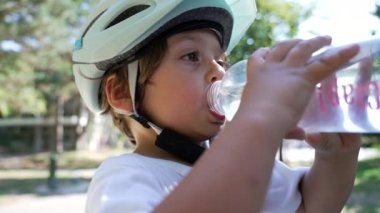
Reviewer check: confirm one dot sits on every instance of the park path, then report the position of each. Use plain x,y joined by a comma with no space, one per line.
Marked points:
72,203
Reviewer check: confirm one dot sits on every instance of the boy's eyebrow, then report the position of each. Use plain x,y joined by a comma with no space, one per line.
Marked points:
190,37
182,37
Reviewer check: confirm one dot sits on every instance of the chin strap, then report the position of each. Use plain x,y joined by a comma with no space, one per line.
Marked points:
167,140
179,146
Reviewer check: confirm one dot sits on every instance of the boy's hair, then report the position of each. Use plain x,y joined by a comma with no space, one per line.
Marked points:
149,59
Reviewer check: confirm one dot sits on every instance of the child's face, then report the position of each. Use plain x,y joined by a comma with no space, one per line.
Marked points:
175,95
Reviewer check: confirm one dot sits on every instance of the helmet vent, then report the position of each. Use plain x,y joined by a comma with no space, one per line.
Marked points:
92,22
128,13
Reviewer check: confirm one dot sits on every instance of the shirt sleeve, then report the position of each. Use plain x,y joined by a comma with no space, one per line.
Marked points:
283,193
123,190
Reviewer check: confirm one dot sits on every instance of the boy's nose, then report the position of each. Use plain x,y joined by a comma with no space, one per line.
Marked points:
216,72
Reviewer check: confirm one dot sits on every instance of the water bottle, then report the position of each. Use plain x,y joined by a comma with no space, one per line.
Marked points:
224,95
339,110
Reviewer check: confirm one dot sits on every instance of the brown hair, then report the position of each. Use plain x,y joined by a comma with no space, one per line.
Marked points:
149,58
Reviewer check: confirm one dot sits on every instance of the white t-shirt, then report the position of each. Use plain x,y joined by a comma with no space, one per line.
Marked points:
136,183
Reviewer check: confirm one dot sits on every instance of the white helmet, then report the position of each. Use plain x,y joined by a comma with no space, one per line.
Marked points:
117,29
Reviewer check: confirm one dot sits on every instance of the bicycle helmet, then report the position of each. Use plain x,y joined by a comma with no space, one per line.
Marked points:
117,29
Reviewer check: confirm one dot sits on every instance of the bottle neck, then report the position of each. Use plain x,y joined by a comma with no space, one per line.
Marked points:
213,98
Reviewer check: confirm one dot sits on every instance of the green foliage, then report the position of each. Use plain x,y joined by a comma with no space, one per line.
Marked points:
368,175
365,196
38,66
17,77
276,20
371,140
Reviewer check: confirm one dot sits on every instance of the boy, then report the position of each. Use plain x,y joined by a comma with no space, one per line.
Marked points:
150,64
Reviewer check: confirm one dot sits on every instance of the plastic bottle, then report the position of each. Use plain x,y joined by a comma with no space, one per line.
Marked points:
224,95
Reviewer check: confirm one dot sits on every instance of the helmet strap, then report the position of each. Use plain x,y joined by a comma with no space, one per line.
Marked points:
179,145
133,69
168,140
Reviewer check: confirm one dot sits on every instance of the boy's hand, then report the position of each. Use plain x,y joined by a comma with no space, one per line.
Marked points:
328,184
331,145
281,81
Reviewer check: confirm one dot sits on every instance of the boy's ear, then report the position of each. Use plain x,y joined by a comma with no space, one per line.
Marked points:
118,95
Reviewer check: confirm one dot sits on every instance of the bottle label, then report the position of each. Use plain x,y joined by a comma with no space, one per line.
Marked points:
348,101
356,96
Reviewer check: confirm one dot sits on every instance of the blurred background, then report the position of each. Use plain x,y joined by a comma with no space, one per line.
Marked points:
50,144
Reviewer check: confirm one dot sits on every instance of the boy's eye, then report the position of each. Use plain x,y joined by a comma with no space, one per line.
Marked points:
224,64
193,56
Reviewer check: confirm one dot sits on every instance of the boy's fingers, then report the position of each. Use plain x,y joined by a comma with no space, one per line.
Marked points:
326,65
301,52
279,51
328,84
296,133
365,70
350,137
319,141
258,57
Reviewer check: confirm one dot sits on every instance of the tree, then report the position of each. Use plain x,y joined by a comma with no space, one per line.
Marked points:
35,65
275,20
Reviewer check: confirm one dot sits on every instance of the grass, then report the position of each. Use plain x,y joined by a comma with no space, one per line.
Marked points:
365,197
366,194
